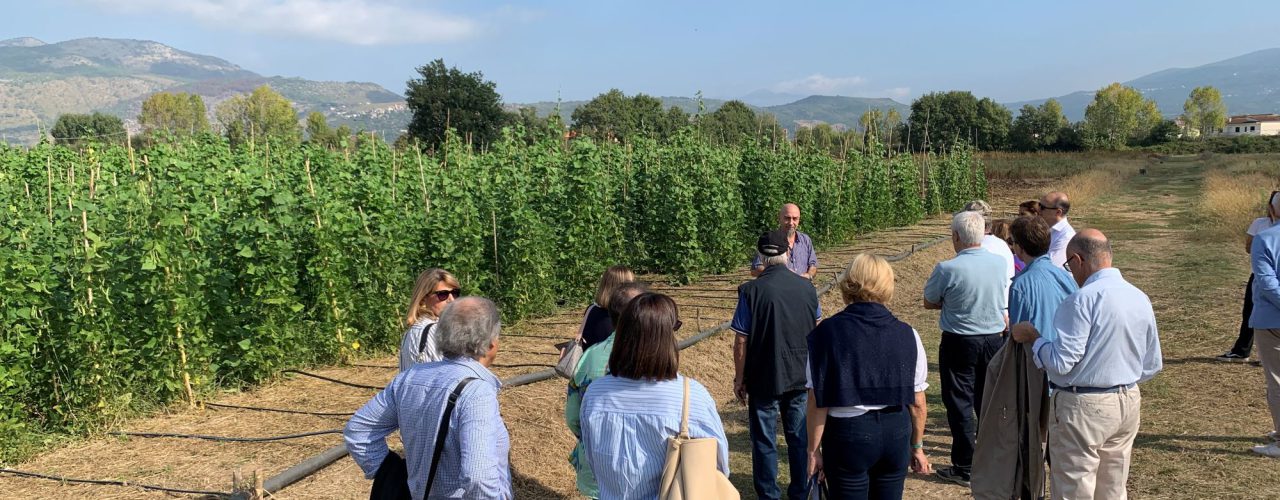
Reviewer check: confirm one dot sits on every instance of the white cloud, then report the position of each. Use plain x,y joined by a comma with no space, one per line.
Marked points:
359,22
897,92
818,83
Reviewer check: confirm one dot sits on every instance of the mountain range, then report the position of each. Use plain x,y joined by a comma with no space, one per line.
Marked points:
39,81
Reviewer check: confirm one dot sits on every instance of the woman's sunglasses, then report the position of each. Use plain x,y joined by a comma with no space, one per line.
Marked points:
443,295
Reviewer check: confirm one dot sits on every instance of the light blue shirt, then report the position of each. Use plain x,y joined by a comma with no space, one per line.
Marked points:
1037,292
1106,336
1265,257
625,427
474,461
971,289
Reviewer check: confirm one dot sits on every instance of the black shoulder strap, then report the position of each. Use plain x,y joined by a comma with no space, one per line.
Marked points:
443,433
422,340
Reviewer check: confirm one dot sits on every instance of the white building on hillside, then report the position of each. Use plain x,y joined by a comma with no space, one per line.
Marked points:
1251,125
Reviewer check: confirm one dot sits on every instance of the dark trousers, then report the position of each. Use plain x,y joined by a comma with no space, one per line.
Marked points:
763,414
866,457
1244,343
962,366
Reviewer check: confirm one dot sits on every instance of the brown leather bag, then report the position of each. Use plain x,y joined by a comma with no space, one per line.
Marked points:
691,472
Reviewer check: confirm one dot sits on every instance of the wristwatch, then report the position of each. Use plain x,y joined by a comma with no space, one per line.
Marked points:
917,446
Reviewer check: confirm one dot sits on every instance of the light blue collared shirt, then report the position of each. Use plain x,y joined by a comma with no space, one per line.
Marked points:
625,426
1265,257
1037,292
971,289
474,463
1106,336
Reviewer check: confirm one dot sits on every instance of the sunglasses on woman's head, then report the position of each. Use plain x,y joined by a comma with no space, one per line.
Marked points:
443,295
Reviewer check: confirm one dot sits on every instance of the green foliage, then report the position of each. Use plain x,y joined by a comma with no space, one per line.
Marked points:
1204,111
1118,117
612,116
730,124
258,117
446,98
1040,128
76,130
174,114
125,272
941,120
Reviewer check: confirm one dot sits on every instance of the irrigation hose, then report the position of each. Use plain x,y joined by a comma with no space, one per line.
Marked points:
226,439
334,380
278,410
61,479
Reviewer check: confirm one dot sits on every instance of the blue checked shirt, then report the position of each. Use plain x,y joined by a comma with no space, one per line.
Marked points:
474,463
625,426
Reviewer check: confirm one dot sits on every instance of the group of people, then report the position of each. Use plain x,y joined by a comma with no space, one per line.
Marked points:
1042,348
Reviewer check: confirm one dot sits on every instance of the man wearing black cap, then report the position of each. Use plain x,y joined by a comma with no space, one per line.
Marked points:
775,314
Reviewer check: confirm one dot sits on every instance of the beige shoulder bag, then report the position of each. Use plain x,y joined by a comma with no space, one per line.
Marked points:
691,472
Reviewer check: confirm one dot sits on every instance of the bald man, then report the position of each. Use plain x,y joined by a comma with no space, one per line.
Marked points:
802,261
1105,344
1053,209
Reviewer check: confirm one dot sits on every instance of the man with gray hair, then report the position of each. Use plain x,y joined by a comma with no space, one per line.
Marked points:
454,400
991,243
969,290
1104,344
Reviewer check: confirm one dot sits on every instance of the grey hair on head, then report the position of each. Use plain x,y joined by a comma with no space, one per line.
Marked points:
467,327
777,260
968,228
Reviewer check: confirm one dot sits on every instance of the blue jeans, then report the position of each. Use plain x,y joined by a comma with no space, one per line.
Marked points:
763,414
866,457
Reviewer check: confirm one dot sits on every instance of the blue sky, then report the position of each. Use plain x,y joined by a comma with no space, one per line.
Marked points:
544,50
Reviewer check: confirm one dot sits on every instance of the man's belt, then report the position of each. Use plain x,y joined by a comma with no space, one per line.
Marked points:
1091,390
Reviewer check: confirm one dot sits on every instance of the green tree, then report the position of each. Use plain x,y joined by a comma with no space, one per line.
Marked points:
879,125
1118,117
612,116
1038,128
319,132
941,120
446,98
1204,111
536,127
256,117
178,114
730,123
78,129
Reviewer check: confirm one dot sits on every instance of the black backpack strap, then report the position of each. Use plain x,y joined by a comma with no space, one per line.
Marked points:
443,433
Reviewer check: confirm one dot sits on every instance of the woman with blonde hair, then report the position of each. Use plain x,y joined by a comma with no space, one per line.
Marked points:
434,289
866,371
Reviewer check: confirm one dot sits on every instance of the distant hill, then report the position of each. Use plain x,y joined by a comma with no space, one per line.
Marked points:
834,110
39,81
1250,84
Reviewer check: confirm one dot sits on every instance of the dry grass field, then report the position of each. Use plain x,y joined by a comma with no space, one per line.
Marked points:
1175,234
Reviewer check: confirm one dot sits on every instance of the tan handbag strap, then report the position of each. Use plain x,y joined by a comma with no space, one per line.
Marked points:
684,412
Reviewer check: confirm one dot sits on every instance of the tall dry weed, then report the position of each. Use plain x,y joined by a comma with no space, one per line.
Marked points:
1085,189
1229,202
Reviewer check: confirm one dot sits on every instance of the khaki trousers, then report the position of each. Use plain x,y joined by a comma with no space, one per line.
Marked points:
1090,440
1269,353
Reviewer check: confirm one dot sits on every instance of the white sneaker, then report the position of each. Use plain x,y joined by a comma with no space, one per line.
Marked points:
1272,450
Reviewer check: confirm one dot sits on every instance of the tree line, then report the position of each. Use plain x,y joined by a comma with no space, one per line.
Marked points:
445,98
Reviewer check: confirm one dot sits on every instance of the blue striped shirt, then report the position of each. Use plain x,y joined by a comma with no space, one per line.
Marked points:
625,427
474,461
